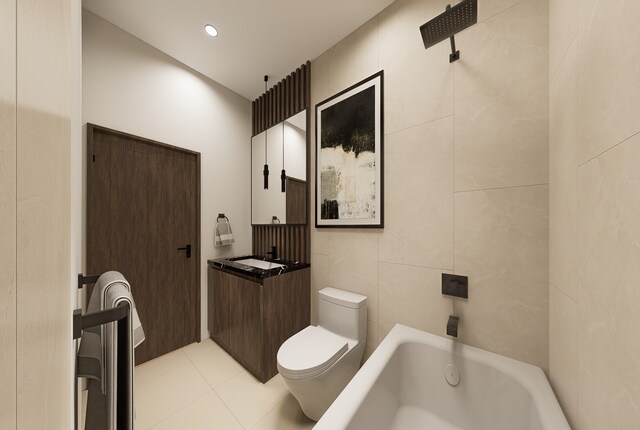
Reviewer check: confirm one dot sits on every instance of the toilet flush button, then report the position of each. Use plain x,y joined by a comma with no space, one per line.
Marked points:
452,375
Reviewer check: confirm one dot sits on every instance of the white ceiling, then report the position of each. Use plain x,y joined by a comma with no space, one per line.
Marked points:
256,37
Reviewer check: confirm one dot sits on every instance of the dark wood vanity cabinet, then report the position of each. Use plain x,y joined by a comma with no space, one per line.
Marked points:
251,318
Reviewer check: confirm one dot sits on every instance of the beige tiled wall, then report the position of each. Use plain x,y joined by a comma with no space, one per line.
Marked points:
466,175
594,348
7,214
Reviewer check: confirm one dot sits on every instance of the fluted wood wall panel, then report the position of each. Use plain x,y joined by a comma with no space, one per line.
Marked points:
291,241
288,97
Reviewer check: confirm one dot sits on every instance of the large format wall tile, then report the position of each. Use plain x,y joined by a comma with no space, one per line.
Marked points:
44,359
501,243
354,58
319,280
609,98
372,339
563,177
497,137
419,196
501,100
353,263
420,93
490,8
412,296
609,297
563,28
563,351
8,214
418,82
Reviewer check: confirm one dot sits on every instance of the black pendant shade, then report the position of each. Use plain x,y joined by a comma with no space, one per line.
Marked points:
283,175
283,178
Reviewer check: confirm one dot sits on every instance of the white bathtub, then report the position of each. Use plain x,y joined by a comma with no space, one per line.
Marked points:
403,387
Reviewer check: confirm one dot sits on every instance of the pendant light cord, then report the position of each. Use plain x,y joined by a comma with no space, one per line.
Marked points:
266,132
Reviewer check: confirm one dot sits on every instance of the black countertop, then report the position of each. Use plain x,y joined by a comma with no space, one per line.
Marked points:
231,265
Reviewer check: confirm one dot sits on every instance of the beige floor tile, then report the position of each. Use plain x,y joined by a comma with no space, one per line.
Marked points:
206,413
287,415
161,397
201,348
159,366
216,365
248,399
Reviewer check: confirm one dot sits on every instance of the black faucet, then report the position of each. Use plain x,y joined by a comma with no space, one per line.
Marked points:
273,253
452,326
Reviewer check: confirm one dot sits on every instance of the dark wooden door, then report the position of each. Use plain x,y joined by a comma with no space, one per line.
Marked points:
143,203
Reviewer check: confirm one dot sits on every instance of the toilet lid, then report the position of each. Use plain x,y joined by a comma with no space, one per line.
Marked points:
310,352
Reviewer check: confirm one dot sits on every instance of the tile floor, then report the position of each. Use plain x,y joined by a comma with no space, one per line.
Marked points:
200,387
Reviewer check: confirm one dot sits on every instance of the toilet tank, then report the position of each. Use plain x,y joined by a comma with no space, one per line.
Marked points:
343,313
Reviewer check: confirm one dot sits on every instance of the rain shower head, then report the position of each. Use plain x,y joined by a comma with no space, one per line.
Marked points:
450,22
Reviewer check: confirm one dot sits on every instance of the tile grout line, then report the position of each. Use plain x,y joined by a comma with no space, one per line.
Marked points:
552,76
178,411
391,133
414,265
502,188
563,292
267,413
214,390
205,379
15,198
501,12
609,149
577,173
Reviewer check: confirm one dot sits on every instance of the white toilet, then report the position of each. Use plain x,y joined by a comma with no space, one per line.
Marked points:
318,362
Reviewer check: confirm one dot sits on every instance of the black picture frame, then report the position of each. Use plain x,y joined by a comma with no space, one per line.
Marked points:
357,99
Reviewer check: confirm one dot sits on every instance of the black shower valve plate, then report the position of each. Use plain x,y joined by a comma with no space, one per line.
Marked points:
455,285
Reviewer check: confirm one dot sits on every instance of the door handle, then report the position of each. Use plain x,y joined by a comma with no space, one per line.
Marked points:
188,249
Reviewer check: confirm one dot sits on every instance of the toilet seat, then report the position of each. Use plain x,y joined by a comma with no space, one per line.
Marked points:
310,352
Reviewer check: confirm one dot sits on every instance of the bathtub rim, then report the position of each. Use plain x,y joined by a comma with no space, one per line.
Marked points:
531,377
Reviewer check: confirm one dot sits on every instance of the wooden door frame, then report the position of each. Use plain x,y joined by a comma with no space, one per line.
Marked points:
93,128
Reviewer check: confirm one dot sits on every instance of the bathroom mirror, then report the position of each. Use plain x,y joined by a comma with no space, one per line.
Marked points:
272,206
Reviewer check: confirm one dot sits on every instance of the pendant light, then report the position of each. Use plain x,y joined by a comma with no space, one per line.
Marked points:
283,175
265,172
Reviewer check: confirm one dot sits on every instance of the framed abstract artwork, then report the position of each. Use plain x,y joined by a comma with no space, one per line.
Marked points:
349,157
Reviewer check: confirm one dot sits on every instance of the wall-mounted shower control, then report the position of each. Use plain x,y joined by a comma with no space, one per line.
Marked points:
455,285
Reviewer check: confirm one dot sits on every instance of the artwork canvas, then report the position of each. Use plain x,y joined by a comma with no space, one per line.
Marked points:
349,157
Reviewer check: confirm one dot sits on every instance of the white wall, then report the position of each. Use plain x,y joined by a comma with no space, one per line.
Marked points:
594,347
466,165
132,87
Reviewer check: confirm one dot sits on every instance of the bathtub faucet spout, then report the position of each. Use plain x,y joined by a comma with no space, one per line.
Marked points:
452,326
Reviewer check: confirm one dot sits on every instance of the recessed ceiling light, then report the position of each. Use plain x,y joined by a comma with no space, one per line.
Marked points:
211,30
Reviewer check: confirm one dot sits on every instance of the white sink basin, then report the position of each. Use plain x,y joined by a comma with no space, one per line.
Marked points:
259,264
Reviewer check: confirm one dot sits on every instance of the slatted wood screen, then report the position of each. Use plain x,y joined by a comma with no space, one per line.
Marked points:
291,241
285,99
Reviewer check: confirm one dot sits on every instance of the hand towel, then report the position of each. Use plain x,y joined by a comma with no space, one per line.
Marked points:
224,235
